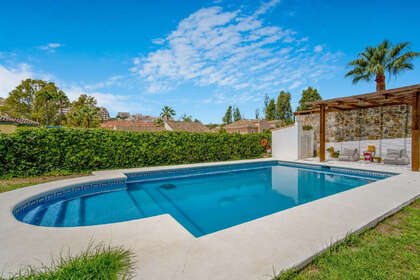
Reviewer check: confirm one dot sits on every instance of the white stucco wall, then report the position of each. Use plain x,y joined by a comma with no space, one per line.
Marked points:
285,143
380,145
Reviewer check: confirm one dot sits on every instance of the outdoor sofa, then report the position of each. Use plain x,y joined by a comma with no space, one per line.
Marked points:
399,157
349,155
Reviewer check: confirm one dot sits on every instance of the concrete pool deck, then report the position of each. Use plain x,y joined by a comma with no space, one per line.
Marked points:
165,250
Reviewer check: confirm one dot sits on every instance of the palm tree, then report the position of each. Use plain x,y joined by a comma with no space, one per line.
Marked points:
167,113
63,102
376,61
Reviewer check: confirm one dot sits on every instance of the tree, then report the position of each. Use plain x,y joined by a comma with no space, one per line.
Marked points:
270,111
257,114
167,113
283,107
43,98
227,119
36,100
159,122
63,102
83,112
185,118
20,102
376,61
266,102
308,95
237,114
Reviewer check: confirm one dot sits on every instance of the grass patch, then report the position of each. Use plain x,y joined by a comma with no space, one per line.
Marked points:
17,183
95,263
391,250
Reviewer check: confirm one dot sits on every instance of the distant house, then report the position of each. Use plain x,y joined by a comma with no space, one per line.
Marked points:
245,126
132,126
9,124
276,124
103,114
151,126
143,118
185,126
123,115
216,129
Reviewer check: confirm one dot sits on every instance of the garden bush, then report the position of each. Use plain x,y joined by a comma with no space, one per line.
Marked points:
38,151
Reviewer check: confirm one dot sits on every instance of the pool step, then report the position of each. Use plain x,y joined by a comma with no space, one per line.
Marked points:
145,203
73,213
172,209
52,214
32,217
117,207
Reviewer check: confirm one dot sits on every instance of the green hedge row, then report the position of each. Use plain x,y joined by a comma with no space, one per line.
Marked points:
37,151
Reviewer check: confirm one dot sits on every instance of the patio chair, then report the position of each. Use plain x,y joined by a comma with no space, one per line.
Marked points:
398,157
349,155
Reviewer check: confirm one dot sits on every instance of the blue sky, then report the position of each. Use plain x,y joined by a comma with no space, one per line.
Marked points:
198,56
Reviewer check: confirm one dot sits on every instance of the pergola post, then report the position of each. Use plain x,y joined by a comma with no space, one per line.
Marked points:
415,124
322,133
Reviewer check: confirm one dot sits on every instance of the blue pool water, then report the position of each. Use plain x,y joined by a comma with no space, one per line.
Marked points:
202,200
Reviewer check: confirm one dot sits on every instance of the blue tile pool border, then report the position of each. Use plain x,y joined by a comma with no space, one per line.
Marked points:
69,192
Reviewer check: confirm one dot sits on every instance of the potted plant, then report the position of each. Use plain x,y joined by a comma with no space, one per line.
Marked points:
307,127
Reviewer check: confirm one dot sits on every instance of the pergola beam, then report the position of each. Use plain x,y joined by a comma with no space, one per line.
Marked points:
322,133
409,95
415,127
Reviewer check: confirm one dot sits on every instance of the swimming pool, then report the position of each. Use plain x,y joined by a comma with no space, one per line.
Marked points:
202,199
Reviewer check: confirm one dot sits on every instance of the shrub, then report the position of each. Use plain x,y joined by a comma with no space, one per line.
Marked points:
95,263
37,151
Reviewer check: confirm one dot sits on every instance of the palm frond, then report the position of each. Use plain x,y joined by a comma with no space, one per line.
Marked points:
356,72
396,50
401,67
362,77
358,62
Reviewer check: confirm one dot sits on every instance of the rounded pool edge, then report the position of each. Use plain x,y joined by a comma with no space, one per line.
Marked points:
20,198
112,180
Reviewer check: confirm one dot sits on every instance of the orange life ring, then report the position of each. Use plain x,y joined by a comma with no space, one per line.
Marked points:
264,142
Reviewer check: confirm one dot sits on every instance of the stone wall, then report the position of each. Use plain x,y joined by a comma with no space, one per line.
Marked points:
366,124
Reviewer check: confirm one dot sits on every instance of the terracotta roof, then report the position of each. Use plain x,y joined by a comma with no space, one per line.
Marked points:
216,128
244,123
187,126
6,118
132,125
283,127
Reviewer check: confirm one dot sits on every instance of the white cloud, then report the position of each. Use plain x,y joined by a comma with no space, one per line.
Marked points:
11,77
266,6
50,47
114,80
158,41
318,48
232,49
113,102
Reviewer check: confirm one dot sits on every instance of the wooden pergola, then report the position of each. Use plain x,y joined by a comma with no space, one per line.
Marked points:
409,95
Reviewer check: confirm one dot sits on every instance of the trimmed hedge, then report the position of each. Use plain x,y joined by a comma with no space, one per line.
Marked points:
30,151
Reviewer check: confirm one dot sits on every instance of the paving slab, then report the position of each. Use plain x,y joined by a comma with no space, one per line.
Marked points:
166,250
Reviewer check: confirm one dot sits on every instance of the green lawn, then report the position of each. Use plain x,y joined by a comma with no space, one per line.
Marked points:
96,263
391,250
17,183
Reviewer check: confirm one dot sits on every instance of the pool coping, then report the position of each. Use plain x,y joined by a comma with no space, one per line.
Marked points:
250,250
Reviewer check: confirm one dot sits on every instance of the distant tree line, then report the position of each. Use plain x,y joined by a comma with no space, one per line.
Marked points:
44,102
168,113
272,110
